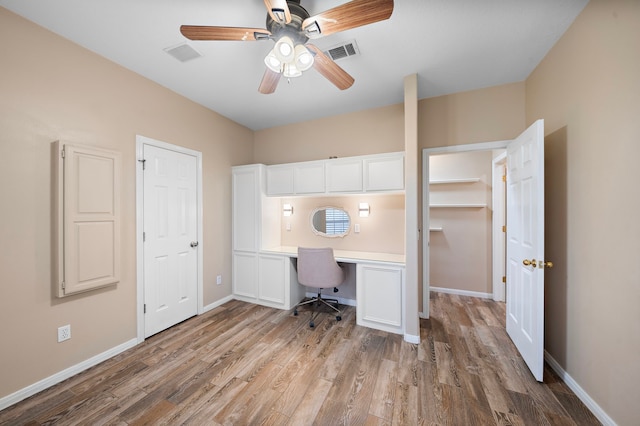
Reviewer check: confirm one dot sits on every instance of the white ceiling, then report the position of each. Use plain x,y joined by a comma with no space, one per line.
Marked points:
452,45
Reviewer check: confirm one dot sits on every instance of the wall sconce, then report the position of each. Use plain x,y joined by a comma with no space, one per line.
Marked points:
363,209
287,209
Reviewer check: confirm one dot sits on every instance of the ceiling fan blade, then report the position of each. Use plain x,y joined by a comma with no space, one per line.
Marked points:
354,14
330,70
269,82
196,32
278,10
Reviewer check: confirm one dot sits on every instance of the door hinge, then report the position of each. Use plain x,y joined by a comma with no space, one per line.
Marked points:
144,163
64,285
144,308
504,178
62,153
144,237
504,228
504,279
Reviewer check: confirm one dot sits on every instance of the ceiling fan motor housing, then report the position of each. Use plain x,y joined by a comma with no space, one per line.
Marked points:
294,28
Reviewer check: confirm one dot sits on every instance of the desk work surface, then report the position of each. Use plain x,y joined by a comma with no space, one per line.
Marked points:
345,255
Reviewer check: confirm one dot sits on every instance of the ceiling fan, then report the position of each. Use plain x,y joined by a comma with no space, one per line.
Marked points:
290,26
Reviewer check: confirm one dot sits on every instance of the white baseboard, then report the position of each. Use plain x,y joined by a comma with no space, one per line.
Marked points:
580,393
462,292
217,303
410,338
30,390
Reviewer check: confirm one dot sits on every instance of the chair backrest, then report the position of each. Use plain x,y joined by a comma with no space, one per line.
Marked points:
318,268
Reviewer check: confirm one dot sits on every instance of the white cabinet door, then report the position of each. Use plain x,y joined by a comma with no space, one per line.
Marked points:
309,178
273,280
280,180
344,175
245,276
379,292
385,173
245,207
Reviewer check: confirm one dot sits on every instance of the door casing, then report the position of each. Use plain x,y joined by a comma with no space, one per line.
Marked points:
485,146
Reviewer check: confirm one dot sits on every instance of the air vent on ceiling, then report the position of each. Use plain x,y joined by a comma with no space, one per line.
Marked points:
344,50
183,52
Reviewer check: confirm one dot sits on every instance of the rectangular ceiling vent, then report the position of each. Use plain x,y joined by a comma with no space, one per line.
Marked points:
183,52
344,50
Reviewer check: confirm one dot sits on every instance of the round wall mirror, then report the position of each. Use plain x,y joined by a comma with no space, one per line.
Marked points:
330,222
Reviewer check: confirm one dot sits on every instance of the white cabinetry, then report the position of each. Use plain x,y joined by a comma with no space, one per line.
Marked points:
277,283
384,173
309,177
349,175
258,277
344,175
280,180
379,294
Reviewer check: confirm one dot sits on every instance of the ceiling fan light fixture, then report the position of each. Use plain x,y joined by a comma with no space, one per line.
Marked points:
303,58
272,62
284,49
290,71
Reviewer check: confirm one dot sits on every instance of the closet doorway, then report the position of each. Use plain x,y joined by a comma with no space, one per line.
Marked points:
457,205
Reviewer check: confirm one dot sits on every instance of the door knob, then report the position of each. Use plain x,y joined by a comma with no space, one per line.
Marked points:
531,262
543,264
194,244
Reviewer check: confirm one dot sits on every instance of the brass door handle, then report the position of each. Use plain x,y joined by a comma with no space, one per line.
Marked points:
531,262
543,264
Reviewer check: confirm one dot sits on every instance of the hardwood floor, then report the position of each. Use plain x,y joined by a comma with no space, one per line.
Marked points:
243,364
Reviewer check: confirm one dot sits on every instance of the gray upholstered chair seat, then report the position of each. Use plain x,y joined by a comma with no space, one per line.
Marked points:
317,268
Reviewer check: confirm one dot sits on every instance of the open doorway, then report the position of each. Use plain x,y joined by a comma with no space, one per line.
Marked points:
460,223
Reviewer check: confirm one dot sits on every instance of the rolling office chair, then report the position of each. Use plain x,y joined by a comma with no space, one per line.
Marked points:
318,268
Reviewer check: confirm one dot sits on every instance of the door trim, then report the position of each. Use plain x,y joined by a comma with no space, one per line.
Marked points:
498,219
140,142
426,152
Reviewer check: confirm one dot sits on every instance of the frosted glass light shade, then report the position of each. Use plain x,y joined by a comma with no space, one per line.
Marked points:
304,58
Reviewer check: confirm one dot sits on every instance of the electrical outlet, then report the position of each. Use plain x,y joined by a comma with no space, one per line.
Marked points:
219,279
64,333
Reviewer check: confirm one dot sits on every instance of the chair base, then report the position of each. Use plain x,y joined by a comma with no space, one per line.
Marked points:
318,300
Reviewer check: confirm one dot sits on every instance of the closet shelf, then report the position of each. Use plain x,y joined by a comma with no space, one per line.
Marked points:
461,180
436,229
455,206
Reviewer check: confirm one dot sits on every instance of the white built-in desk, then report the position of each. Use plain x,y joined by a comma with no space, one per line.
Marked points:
264,272
380,285
346,256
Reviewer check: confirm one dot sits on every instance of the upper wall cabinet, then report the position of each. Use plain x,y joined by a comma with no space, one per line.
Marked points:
384,173
296,178
349,175
344,175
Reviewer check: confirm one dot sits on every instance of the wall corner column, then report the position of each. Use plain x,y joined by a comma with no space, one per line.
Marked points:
412,230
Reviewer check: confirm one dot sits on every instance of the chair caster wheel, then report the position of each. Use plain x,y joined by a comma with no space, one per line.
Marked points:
295,312
311,324
338,318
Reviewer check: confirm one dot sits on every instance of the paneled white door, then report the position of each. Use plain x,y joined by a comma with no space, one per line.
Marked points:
525,245
170,238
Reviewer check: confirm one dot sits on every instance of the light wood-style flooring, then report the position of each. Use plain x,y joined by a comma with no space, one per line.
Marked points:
244,364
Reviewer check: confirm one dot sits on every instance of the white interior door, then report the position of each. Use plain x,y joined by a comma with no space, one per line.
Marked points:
525,245
170,238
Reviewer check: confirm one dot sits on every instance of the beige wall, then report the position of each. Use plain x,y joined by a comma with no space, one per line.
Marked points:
372,131
51,89
484,115
382,231
588,91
